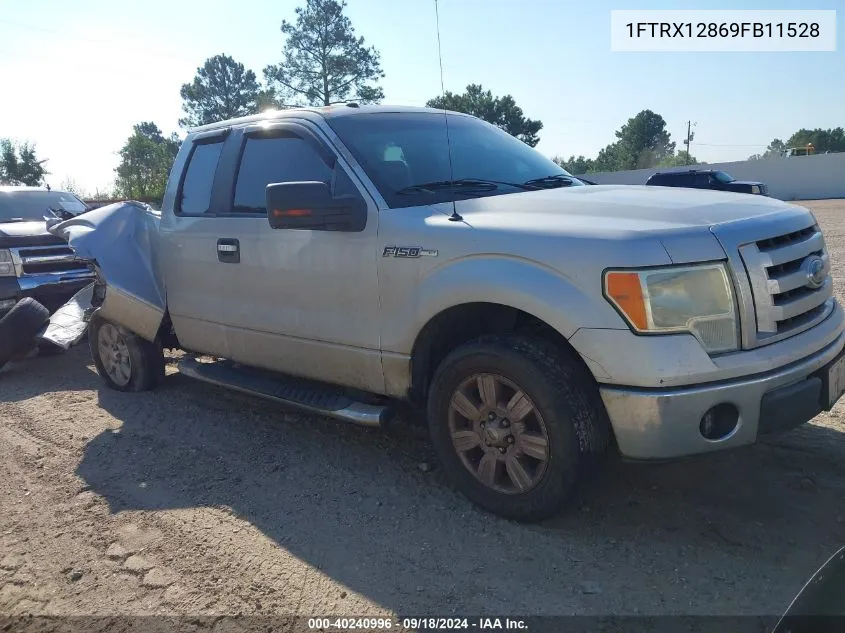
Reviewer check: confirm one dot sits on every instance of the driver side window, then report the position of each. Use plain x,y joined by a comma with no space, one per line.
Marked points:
267,160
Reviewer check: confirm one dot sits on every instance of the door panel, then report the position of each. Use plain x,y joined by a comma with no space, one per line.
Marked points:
197,283
302,302
188,253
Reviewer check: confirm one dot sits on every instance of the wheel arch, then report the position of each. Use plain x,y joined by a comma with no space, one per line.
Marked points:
507,291
461,323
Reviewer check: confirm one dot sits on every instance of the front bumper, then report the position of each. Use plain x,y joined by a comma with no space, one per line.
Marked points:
50,290
665,423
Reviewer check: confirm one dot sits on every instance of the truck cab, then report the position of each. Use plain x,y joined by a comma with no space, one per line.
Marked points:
343,259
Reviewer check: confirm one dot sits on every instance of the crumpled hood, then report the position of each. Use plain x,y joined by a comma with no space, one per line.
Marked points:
15,234
607,210
122,240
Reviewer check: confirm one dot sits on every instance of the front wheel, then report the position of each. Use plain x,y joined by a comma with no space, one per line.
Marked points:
510,418
123,359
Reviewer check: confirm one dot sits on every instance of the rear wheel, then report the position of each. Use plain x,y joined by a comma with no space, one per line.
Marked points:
510,418
123,359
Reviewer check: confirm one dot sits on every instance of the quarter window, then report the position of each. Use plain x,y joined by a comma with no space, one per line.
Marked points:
199,177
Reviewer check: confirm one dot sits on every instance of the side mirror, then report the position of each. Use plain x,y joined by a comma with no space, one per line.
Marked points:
310,205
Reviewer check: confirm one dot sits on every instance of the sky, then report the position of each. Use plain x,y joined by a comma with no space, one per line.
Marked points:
76,76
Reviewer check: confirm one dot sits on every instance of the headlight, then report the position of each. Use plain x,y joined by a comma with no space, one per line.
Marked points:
7,268
696,299
755,188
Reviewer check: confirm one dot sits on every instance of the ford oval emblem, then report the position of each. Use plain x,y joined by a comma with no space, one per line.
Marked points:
814,267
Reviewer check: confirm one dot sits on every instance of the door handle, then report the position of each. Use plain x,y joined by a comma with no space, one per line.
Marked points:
228,250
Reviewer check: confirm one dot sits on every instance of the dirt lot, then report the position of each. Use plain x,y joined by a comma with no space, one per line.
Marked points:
194,500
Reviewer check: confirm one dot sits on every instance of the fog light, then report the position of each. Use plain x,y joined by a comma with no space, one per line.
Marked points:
719,422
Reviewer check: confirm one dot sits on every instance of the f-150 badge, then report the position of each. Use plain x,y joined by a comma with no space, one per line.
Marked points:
408,252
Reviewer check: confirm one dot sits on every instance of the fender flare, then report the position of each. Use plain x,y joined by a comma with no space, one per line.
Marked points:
529,286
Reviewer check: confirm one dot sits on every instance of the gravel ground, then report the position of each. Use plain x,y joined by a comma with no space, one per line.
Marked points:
194,500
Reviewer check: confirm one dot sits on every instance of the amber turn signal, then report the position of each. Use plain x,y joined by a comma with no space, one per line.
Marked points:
289,213
625,291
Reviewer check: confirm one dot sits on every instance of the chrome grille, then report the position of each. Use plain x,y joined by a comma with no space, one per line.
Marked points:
785,301
46,260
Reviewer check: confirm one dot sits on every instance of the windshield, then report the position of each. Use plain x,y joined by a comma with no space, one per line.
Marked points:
32,205
722,176
401,151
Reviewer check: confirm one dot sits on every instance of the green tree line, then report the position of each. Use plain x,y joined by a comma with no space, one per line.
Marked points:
640,143
823,141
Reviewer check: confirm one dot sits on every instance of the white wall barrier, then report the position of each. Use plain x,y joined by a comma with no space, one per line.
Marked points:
797,178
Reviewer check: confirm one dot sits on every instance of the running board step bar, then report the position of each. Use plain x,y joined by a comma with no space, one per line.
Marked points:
306,395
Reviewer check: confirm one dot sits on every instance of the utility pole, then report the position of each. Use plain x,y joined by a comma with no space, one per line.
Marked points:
688,140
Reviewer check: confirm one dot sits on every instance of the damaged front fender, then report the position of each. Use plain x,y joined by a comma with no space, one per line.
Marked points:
122,241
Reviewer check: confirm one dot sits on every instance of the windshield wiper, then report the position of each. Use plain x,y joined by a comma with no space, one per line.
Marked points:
550,182
467,184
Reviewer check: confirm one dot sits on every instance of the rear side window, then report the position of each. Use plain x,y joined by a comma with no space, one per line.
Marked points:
676,180
196,188
282,159
702,180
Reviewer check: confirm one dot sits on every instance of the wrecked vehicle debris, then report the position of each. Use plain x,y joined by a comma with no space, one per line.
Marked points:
19,329
68,324
29,327
121,239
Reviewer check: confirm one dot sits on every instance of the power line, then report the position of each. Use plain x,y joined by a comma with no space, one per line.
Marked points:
75,36
99,41
731,144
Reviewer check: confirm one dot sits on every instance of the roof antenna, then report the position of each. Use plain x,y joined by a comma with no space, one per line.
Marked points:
455,217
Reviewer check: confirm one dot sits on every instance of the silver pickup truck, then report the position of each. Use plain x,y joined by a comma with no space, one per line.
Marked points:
345,258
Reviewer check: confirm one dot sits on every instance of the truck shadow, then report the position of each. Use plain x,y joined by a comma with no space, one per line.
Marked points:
355,504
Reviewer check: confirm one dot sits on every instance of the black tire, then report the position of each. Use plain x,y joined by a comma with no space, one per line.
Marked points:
19,328
565,397
145,359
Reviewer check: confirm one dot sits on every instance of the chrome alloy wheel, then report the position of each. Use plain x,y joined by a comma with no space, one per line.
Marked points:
114,354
